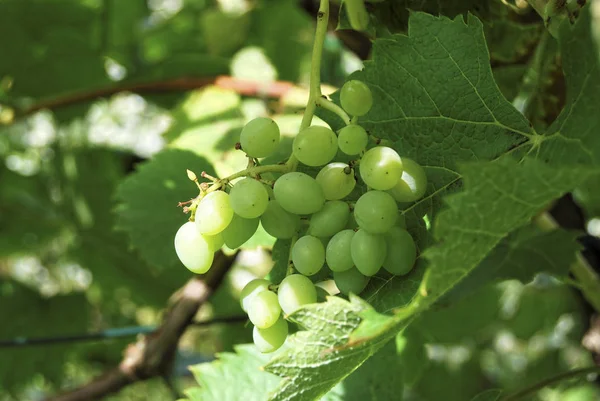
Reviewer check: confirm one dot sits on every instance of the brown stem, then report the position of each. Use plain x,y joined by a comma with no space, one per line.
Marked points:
152,355
247,88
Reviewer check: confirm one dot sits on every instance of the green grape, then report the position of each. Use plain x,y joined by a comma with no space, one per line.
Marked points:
338,254
249,198
315,145
412,184
308,255
294,291
368,252
299,193
193,249
216,241
329,220
264,309
376,212
278,222
272,338
401,251
356,98
251,289
381,168
214,213
357,14
336,180
352,139
260,137
350,281
239,231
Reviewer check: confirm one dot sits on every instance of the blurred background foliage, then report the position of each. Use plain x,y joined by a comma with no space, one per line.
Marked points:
105,103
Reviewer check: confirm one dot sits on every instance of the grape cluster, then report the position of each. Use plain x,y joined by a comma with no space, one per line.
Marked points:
353,230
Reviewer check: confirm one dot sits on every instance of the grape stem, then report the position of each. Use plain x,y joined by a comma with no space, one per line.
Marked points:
270,168
334,108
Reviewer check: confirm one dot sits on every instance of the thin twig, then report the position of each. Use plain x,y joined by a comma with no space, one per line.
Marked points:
108,334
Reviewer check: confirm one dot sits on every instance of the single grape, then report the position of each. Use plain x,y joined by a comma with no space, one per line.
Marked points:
239,231
294,291
299,193
249,198
264,309
251,289
357,14
215,241
412,184
278,222
356,98
308,255
376,212
352,139
329,220
368,252
214,213
381,168
260,137
401,251
193,249
272,338
338,254
350,281
315,145
336,180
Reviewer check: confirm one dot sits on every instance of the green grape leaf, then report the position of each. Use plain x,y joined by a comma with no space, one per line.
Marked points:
572,139
148,199
587,197
234,377
509,41
320,356
281,253
488,395
524,253
45,317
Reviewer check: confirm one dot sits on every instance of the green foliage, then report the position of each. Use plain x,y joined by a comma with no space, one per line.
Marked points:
58,315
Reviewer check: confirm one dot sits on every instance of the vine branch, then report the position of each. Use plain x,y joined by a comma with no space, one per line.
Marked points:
152,355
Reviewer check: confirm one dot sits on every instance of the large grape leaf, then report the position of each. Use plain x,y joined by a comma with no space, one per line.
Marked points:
27,314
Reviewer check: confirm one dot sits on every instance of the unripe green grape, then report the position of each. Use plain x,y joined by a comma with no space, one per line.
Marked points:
249,198
350,281
264,309
294,291
279,222
315,145
260,137
368,252
401,251
251,289
381,168
329,220
272,338
357,14
299,193
412,184
336,180
352,139
376,212
356,98
308,255
214,213
239,231
193,249
215,241
338,252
